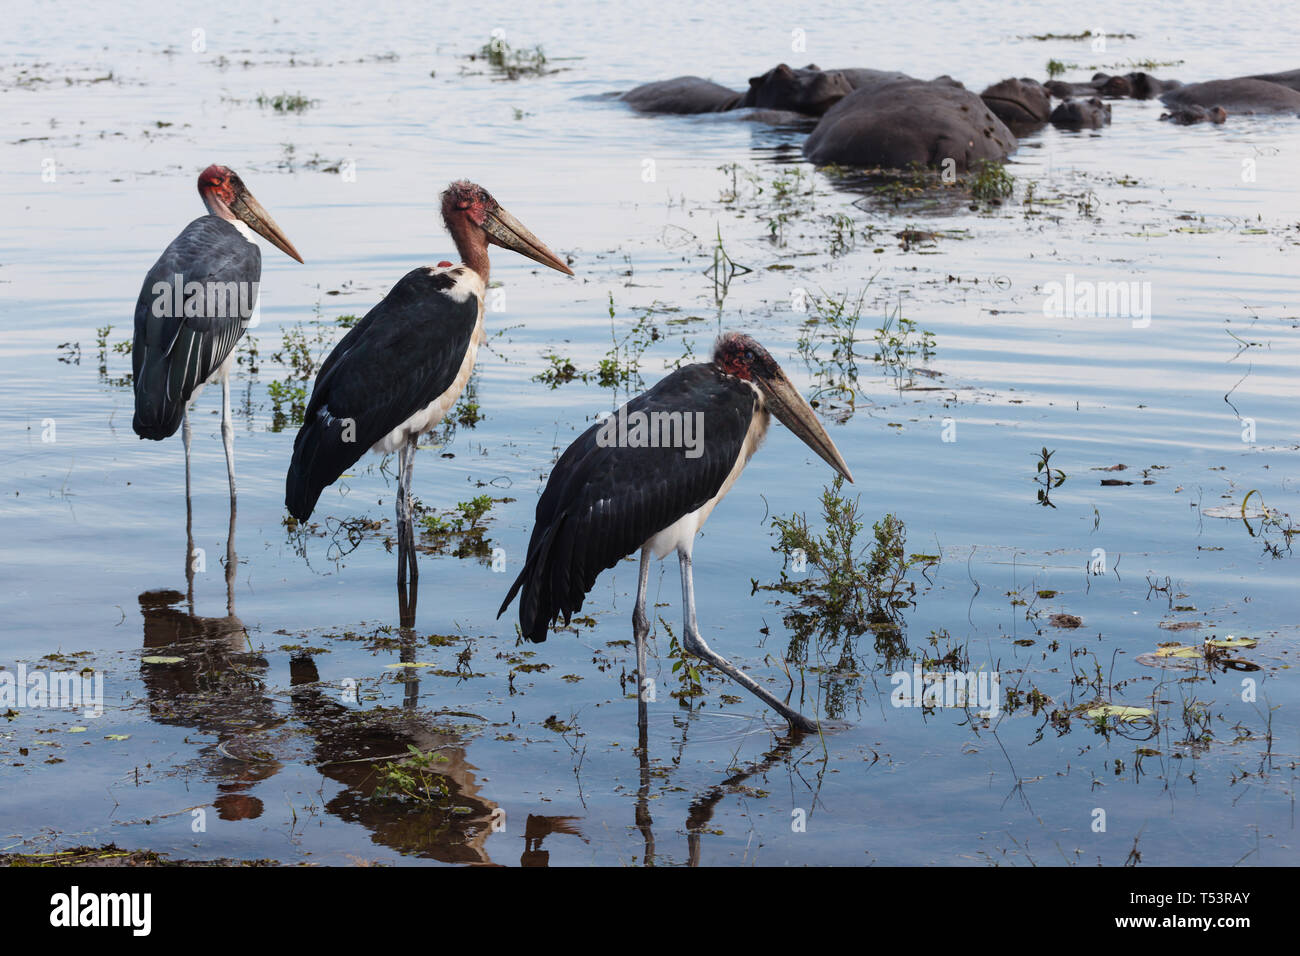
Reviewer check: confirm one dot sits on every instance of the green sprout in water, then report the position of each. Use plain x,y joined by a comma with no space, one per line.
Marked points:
1052,477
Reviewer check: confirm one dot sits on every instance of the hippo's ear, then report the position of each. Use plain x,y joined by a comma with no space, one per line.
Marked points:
756,81
813,66
783,70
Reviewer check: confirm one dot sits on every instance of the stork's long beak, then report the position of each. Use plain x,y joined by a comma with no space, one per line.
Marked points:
259,220
507,231
797,415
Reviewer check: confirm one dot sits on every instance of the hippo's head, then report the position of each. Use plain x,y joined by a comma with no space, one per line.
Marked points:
1018,102
809,90
1145,86
1115,87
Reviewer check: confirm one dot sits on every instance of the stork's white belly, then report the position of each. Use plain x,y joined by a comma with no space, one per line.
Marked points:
428,417
680,535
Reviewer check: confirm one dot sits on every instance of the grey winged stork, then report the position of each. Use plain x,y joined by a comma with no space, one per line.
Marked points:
194,308
398,371
613,492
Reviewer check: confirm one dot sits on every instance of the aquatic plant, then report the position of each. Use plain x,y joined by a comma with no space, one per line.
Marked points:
509,62
991,182
412,779
901,345
459,531
1052,477
845,587
286,102
560,371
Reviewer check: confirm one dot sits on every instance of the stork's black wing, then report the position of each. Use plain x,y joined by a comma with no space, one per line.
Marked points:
603,502
173,354
394,362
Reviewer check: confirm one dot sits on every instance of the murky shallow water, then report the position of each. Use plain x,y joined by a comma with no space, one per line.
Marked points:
255,722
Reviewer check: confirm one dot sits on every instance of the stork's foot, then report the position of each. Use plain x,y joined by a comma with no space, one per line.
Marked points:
695,645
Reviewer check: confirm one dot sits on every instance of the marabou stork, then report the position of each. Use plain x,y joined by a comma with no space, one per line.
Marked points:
194,308
400,369
613,492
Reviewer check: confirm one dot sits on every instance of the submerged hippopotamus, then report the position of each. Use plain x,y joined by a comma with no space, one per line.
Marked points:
1138,86
1148,87
1091,113
1290,78
859,79
809,91
1101,84
1244,94
1022,104
909,121
1188,115
681,94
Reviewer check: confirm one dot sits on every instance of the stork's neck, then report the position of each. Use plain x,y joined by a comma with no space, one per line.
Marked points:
471,243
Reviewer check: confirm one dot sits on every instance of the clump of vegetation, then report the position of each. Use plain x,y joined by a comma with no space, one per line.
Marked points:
833,322
991,182
511,63
288,404
412,779
464,517
622,363
901,346
836,587
460,531
286,102
1056,68
686,668
1085,35
299,354
559,372
621,366
843,234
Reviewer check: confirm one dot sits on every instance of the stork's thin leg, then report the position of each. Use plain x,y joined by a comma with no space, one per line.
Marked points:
402,544
189,514
408,478
232,563
228,436
641,630
694,643
185,436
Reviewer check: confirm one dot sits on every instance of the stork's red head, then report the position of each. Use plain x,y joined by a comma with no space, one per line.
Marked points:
221,183
226,196
738,354
475,219
465,200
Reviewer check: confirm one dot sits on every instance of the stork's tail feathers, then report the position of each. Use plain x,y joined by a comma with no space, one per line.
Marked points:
543,597
325,448
534,622
156,416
